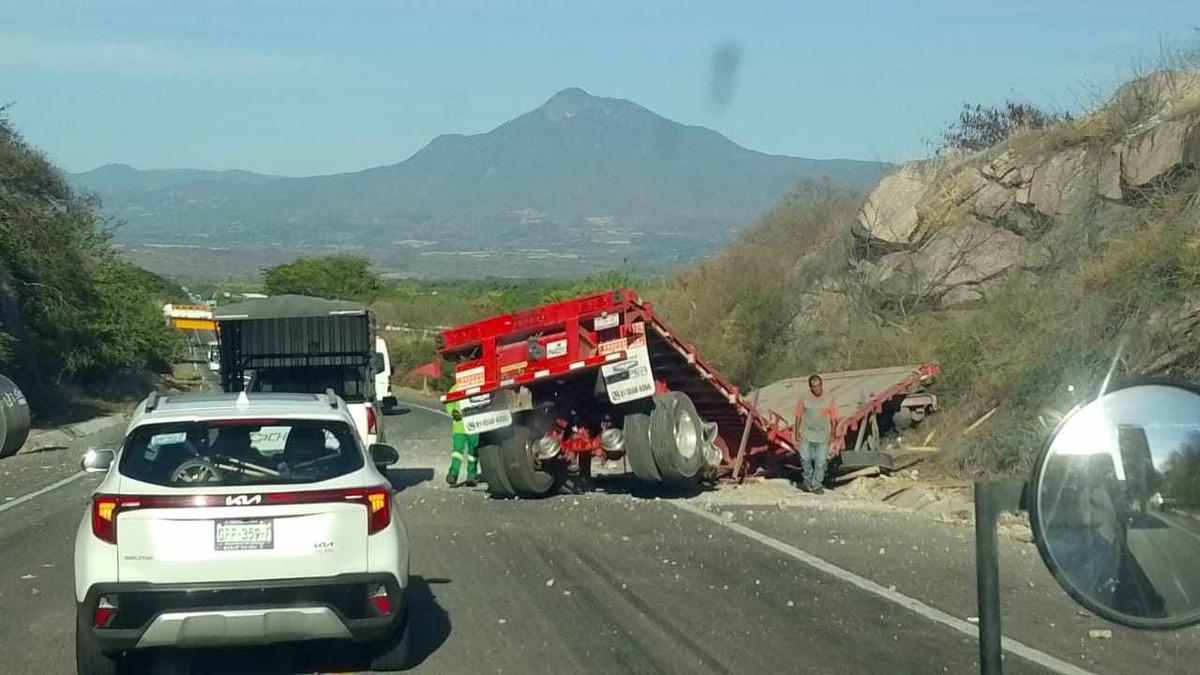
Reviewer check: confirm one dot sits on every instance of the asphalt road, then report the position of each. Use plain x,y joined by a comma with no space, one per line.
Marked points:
612,582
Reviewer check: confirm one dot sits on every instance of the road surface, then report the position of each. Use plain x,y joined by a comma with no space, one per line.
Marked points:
613,582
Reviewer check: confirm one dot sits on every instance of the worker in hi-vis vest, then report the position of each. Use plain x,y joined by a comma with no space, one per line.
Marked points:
461,443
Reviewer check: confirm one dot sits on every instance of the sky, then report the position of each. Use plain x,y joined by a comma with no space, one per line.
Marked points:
300,87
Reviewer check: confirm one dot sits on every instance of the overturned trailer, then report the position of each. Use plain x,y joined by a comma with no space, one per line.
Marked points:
600,377
869,404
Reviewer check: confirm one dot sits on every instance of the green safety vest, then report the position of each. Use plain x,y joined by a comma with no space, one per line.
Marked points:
457,427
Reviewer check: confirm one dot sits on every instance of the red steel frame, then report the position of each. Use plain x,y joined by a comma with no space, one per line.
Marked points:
499,346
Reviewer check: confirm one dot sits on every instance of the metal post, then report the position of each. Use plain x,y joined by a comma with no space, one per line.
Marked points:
991,499
987,578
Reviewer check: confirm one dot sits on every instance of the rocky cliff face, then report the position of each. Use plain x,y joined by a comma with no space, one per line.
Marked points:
946,230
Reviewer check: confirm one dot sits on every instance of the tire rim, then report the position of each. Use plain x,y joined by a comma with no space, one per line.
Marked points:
195,472
686,440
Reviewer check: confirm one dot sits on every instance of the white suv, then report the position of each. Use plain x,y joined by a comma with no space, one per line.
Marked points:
238,520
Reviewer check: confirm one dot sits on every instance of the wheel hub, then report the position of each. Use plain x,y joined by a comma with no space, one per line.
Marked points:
686,439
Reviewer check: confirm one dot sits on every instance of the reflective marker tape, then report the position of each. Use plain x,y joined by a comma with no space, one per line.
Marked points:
576,366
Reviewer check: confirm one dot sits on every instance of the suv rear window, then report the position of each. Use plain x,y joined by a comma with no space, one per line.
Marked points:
240,452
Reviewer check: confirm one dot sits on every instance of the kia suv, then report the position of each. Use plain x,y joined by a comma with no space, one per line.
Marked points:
242,519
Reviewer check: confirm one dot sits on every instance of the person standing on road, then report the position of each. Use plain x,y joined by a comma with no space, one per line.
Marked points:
816,413
461,443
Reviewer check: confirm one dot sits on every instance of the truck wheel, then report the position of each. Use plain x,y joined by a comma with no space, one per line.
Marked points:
637,448
491,465
89,660
525,477
677,437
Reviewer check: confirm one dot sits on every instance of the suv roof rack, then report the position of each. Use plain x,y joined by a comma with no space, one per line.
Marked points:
333,397
152,401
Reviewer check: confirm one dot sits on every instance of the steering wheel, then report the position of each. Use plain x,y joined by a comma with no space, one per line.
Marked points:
196,471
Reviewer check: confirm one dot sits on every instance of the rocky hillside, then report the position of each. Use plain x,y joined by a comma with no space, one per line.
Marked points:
1027,270
951,229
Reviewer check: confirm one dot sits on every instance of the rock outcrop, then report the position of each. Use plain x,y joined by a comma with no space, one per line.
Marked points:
947,225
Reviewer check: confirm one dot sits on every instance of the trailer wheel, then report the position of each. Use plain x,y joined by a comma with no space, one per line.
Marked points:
491,465
526,478
637,448
677,438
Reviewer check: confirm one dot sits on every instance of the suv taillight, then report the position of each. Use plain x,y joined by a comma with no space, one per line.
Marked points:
372,424
379,509
104,517
106,609
378,502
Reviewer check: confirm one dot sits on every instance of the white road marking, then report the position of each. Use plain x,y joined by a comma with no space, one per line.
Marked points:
426,408
933,614
37,493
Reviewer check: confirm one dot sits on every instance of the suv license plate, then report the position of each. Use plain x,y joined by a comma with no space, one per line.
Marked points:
244,535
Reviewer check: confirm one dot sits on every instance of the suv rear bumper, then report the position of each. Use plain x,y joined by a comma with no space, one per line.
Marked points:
242,613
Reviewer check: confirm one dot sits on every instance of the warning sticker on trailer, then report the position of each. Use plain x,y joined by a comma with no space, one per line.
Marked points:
631,379
469,377
486,421
556,348
606,321
617,345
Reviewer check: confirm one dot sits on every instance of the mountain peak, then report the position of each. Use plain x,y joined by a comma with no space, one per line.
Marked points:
568,103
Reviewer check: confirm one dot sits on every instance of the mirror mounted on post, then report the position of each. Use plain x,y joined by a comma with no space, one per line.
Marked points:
383,455
391,406
97,460
1114,504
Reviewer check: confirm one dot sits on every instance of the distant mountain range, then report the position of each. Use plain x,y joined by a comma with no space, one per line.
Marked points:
579,178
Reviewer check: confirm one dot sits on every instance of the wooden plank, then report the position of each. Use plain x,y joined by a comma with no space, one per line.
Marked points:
979,421
741,454
861,473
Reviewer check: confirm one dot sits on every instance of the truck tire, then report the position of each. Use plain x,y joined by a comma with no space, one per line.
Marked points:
638,452
14,418
491,465
526,478
89,660
677,437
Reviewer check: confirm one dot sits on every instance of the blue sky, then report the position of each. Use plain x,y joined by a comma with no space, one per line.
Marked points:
298,88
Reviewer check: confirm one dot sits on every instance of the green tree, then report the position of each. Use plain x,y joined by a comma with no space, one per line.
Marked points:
336,277
71,311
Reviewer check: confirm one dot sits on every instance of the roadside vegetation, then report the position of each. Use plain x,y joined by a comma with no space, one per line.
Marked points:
73,314
1120,281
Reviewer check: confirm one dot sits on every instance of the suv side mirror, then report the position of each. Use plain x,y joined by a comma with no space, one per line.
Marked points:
383,454
97,460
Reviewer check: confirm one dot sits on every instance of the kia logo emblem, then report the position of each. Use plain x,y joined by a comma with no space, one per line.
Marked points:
243,500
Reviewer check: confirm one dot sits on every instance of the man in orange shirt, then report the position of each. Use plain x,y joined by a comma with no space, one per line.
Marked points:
816,412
